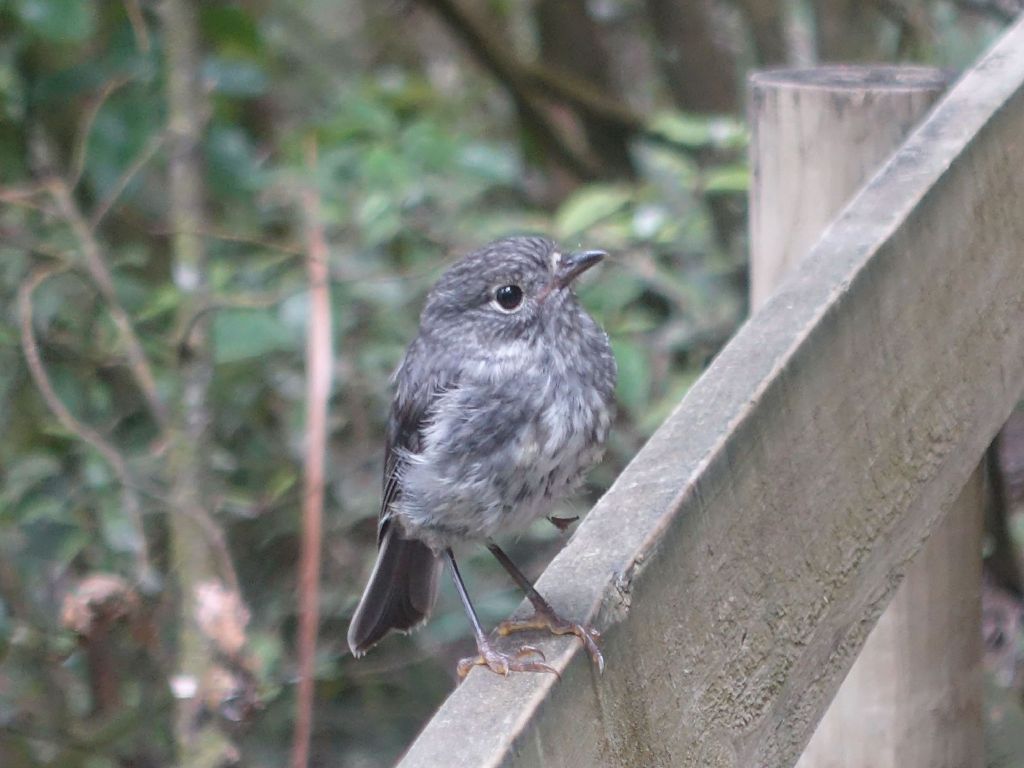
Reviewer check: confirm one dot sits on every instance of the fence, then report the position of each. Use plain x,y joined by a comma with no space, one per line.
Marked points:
739,563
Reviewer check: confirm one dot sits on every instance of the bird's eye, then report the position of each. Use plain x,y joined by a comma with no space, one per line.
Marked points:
509,297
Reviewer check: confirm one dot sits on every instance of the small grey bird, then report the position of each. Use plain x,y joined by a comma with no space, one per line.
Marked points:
503,401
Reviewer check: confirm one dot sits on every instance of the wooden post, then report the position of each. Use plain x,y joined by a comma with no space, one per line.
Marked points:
818,135
913,697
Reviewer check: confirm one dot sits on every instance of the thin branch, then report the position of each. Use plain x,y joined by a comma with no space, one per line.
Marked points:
30,347
526,80
212,233
218,543
14,194
25,197
318,391
99,271
138,22
509,72
18,238
148,151
766,22
583,96
912,22
255,301
85,128
290,249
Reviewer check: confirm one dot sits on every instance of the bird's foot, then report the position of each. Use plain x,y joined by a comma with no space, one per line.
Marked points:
503,663
556,625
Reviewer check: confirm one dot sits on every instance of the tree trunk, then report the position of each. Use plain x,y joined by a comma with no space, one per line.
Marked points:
491,50
848,30
199,742
570,42
766,20
700,70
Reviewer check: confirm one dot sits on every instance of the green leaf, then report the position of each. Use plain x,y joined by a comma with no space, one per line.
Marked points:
658,411
68,543
589,206
378,218
727,179
231,161
282,481
234,77
96,472
58,20
240,334
494,163
122,128
359,118
381,167
26,473
162,300
119,533
608,295
688,130
70,385
699,131
634,374
427,145
42,508
230,28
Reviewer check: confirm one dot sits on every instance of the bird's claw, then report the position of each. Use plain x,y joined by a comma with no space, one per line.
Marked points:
503,663
556,625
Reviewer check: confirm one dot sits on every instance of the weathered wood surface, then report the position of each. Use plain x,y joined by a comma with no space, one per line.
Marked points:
741,559
816,135
913,697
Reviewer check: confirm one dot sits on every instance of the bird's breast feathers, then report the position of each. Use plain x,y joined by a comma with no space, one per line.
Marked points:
495,457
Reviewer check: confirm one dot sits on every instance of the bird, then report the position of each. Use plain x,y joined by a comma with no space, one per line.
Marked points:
502,402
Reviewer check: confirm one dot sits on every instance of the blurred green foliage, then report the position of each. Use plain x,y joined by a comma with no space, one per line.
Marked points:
420,160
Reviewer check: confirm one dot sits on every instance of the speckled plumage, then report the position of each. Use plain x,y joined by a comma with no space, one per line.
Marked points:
496,415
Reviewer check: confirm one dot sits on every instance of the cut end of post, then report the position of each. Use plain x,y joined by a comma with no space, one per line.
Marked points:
856,77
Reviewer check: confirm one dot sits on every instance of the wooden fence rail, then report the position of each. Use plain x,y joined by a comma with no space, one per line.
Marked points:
739,562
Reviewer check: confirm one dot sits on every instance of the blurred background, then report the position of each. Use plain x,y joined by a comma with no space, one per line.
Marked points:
164,169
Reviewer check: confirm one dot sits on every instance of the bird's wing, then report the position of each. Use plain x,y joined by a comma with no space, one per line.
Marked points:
420,381
403,585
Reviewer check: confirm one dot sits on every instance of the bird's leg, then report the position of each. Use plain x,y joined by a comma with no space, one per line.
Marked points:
487,655
544,616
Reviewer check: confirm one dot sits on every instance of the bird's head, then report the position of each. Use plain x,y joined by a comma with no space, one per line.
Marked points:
510,290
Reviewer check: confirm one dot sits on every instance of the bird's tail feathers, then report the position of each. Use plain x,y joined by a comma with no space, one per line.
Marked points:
399,594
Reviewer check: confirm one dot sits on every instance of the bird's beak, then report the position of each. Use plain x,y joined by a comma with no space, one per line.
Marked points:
575,264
